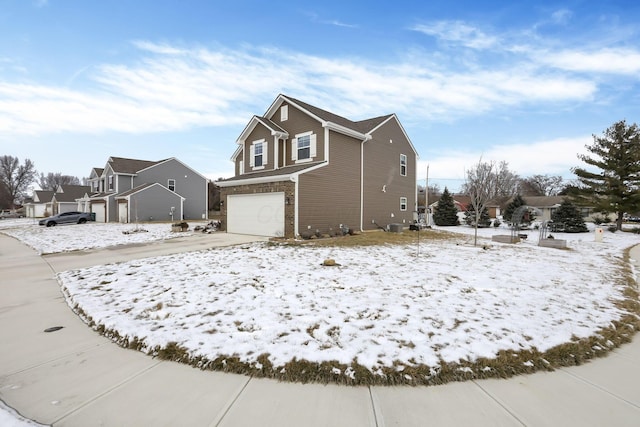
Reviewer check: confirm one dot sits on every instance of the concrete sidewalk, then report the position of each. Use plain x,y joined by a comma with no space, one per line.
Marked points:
74,377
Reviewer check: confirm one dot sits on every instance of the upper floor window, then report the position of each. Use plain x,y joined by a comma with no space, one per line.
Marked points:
303,147
284,113
171,184
110,182
403,203
403,164
258,154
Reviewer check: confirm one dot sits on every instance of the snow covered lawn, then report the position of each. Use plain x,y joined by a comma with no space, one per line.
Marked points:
92,235
385,311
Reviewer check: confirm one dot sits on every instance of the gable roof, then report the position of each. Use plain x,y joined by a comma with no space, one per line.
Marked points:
43,196
143,187
70,193
129,166
362,126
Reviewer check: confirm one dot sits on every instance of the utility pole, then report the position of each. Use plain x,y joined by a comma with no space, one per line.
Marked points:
426,198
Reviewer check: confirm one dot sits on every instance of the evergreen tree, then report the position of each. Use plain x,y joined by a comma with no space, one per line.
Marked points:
445,213
470,217
570,216
511,207
614,187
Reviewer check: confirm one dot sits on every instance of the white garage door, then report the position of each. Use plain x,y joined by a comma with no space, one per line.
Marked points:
256,214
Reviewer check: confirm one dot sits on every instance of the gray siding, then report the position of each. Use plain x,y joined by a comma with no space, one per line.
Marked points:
330,196
382,170
154,204
189,184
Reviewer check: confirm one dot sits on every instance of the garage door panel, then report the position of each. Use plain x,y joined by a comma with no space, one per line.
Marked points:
256,214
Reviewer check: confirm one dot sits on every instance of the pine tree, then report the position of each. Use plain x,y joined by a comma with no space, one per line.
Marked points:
511,207
570,216
614,187
445,213
470,217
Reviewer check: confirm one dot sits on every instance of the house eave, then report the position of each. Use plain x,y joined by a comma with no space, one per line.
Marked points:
257,180
346,131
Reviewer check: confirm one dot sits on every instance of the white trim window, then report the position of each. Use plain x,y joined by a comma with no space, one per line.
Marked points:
171,184
258,154
303,147
403,203
284,113
110,178
403,165
241,167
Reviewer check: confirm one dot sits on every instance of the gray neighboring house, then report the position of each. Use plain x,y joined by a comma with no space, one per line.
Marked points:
65,198
299,168
130,190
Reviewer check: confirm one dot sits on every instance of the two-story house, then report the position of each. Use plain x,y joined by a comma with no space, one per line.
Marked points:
299,168
130,190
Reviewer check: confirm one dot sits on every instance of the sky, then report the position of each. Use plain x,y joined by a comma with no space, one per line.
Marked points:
528,83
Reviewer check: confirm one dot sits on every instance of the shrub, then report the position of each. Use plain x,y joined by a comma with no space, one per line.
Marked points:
445,212
612,228
496,223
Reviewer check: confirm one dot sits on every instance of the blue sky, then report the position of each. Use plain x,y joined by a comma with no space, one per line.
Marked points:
524,82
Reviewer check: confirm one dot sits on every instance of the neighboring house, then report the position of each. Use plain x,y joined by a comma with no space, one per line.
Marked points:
40,205
65,198
299,169
130,190
548,204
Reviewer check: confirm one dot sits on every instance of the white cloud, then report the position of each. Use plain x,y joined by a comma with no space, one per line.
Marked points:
458,32
614,61
561,16
177,88
553,157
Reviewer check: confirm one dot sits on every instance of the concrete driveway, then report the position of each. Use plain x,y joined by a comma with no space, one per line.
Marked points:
75,377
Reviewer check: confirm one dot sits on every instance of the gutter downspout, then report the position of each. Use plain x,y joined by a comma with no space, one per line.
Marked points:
367,138
296,191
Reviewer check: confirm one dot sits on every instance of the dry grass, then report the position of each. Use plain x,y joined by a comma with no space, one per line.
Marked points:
374,238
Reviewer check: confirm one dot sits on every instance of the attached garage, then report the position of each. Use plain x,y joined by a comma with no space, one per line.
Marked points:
259,214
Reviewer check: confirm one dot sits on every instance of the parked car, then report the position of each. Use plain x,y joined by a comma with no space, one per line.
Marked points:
66,218
9,214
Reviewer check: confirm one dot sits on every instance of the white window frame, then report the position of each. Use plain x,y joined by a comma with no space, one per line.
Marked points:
169,185
403,165
252,154
110,182
284,113
403,203
241,167
312,147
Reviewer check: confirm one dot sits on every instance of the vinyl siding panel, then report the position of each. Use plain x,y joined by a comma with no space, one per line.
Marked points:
330,195
260,132
382,171
154,204
189,184
300,122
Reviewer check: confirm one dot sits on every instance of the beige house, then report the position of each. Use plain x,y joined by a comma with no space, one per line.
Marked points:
299,169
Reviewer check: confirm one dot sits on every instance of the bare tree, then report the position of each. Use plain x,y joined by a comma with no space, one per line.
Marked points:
541,185
15,178
481,187
506,181
51,181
